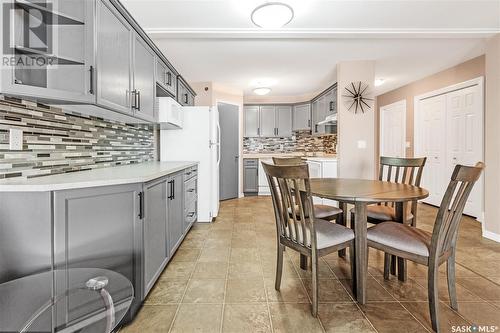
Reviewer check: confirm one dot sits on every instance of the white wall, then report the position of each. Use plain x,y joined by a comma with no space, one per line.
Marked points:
357,128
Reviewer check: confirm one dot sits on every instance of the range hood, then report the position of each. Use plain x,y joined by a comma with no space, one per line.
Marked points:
329,120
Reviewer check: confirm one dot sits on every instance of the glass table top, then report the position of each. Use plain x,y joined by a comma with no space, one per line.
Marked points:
96,300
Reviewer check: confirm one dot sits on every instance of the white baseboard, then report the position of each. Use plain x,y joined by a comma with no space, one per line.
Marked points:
491,235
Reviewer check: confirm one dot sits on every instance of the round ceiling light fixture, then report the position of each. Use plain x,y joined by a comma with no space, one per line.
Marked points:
272,15
379,82
262,91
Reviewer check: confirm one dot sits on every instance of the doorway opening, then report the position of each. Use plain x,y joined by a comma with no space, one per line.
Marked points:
229,145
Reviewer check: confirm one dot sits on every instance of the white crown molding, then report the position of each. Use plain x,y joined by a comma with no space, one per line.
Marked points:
321,33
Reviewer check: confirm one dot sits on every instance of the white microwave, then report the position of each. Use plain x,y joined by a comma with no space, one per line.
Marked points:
169,113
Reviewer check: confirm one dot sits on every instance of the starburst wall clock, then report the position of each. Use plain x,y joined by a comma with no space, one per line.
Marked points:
356,97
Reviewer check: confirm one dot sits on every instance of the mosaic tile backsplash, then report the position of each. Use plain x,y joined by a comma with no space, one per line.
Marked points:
301,141
55,141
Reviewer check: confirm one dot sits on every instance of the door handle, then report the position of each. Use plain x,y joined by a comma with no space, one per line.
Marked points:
91,87
169,78
141,205
138,100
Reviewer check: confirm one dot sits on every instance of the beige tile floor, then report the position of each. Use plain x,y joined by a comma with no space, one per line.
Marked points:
222,280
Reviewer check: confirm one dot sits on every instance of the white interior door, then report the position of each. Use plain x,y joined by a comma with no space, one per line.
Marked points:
464,138
393,129
448,131
432,121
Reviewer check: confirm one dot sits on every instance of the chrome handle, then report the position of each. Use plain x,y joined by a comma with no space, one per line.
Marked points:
138,100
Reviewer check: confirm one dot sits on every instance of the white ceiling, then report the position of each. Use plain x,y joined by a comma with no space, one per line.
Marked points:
215,40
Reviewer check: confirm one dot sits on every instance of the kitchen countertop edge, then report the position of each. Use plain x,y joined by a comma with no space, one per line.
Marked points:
118,175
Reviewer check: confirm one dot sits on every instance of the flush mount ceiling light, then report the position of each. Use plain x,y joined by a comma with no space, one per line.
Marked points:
379,82
272,15
262,91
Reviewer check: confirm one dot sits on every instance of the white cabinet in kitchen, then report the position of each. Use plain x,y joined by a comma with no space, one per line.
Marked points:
321,167
263,184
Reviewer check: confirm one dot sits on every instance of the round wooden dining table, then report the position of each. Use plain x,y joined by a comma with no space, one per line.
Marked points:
360,193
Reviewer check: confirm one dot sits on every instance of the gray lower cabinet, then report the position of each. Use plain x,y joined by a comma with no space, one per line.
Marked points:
175,221
98,228
250,176
302,117
144,92
155,252
113,59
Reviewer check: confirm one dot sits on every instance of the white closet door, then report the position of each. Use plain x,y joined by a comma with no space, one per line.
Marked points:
464,138
431,127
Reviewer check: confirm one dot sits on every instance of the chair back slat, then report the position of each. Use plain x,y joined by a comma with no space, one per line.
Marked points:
404,172
292,201
450,211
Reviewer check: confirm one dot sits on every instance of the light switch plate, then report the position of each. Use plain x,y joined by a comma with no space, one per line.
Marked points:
361,144
15,139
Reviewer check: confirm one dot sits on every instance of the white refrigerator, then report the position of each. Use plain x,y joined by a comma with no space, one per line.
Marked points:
198,140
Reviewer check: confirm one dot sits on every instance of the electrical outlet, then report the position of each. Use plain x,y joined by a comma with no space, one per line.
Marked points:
361,144
15,139
282,147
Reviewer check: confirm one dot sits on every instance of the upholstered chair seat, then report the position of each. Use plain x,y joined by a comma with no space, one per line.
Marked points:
401,237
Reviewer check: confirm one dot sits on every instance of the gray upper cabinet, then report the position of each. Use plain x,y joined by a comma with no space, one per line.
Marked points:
302,117
251,120
113,59
284,120
57,65
184,95
144,93
166,77
155,231
267,120
323,106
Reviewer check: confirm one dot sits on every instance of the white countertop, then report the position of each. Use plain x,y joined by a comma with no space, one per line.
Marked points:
319,158
118,175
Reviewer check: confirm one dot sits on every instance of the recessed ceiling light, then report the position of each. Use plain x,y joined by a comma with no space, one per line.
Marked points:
262,91
272,15
379,82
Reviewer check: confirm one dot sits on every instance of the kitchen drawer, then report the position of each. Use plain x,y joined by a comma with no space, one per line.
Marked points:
190,172
191,191
190,213
251,162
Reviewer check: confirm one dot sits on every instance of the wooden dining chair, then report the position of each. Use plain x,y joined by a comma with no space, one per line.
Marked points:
302,232
396,170
324,212
431,249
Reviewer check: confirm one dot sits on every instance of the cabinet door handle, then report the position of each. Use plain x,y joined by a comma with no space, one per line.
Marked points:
169,197
91,87
141,205
134,99
309,122
138,94
331,105
258,131
173,189
169,78
277,131
186,98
